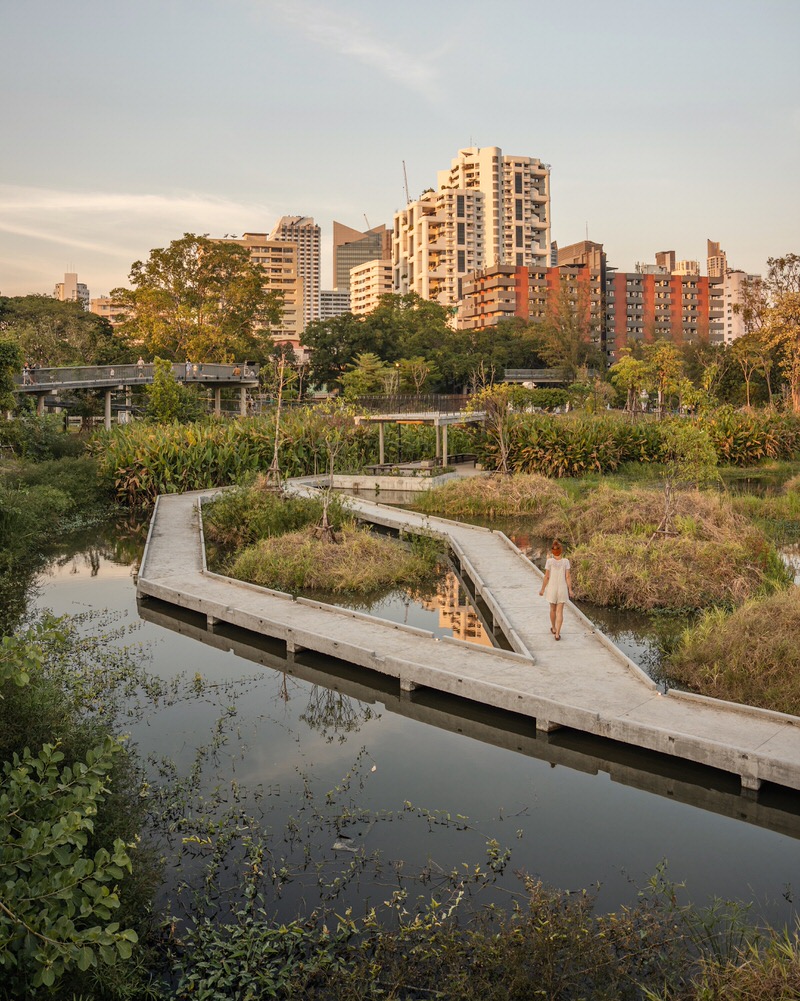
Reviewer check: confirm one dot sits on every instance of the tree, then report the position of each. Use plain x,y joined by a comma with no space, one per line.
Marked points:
497,403
416,374
630,375
334,344
781,318
367,374
167,399
10,365
54,333
567,335
664,369
201,299
689,458
747,353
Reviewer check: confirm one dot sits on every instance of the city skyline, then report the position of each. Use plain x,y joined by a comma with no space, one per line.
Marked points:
664,126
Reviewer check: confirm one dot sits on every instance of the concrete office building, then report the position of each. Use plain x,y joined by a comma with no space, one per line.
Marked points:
352,248
368,282
333,302
304,233
71,290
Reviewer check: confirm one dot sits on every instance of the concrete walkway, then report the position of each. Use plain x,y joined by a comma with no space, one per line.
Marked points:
583,682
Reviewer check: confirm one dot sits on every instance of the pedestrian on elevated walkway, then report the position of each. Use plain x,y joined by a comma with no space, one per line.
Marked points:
556,586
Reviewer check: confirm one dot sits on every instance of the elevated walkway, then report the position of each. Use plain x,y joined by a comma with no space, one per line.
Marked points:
584,682
46,384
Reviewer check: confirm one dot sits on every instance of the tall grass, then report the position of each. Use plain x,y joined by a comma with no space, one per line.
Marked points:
360,562
750,655
491,496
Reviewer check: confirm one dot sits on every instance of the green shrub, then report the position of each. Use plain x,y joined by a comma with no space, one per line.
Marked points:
40,438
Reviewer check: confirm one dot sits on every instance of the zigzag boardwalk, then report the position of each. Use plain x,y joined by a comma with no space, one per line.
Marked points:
584,682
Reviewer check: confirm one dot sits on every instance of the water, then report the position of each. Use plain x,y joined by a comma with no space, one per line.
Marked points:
574,811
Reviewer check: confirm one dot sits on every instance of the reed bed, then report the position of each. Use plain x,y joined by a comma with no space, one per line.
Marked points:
672,574
750,655
492,496
360,562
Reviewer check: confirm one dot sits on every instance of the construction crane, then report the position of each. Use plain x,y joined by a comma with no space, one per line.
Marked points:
366,221
405,181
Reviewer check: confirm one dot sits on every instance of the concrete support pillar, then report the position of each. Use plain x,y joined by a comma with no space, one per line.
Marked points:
546,726
750,784
40,404
125,415
444,444
438,439
243,401
217,401
406,685
107,420
381,451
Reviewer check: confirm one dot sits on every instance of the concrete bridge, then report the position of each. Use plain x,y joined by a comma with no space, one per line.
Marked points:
47,384
583,683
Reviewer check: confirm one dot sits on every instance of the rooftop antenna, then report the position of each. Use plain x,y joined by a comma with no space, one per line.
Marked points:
405,181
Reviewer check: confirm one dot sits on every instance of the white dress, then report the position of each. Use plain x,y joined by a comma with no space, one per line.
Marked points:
557,591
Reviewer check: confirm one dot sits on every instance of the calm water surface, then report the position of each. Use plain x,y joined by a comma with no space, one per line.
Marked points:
574,812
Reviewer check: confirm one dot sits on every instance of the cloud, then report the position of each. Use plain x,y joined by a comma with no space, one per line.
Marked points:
105,231
328,26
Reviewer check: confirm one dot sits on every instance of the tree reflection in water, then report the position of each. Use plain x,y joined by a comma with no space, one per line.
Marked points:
334,715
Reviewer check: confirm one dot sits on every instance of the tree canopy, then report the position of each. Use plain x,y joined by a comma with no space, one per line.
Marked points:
52,333
202,299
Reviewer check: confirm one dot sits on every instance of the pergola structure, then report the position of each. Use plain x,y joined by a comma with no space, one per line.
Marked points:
440,422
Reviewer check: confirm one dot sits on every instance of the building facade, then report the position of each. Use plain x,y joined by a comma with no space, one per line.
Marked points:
333,302
734,290
352,248
304,233
368,282
278,259
105,306
489,210
71,290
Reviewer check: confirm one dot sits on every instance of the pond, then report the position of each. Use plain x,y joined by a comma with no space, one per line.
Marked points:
356,789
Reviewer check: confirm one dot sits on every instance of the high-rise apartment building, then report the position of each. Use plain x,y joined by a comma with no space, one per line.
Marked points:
278,259
516,190
506,291
352,248
368,282
716,260
304,233
490,210
646,307
71,290
110,310
437,240
734,290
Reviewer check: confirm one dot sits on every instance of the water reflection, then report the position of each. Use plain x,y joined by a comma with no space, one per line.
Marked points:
273,738
340,700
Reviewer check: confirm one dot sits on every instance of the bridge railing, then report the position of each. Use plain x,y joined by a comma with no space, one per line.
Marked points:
402,403
103,375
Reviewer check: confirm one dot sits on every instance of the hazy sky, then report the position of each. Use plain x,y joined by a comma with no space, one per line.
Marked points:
126,124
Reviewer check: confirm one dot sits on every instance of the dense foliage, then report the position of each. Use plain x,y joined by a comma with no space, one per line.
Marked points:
50,333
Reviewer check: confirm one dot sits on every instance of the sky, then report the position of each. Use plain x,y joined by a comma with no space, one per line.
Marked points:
125,125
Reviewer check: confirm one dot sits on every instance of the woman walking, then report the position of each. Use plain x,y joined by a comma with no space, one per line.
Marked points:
556,586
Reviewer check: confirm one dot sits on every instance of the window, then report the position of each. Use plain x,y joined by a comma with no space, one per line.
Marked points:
461,233
519,236
517,184
462,264
460,206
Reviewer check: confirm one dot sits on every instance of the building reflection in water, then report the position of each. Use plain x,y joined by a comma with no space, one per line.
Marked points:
456,613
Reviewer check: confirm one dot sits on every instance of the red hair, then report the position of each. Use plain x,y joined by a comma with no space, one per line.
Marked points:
556,550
